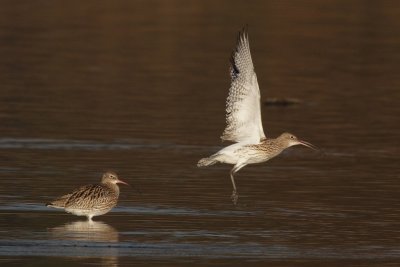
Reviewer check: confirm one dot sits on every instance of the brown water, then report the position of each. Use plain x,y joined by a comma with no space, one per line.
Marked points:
139,87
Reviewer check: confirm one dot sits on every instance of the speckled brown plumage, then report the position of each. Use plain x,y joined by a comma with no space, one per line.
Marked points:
93,199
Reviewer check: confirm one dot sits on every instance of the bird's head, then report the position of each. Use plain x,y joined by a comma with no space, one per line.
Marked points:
289,140
112,177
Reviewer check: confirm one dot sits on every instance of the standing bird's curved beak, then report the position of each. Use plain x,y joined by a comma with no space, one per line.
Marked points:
307,144
122,182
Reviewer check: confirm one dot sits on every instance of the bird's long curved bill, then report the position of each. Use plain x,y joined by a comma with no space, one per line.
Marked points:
307,144
122,182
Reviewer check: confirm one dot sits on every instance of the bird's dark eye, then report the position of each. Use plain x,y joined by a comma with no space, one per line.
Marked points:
292,136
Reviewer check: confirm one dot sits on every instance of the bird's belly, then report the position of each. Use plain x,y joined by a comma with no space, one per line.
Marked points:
229,159
96,211
234,153
257,159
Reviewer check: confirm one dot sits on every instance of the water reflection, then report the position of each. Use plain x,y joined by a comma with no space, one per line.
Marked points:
92,231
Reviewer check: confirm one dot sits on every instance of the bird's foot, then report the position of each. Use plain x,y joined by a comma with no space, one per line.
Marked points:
234,197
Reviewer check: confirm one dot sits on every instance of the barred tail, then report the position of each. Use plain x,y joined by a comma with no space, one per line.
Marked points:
207,161
59,203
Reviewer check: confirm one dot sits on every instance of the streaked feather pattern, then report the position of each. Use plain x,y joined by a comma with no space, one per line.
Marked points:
93,199
93,196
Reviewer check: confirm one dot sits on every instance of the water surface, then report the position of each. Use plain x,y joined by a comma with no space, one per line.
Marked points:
140,88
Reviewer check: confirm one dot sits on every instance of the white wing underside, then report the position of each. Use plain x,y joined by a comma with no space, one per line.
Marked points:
243,112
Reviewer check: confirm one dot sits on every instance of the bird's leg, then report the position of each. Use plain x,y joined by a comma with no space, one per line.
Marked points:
235,195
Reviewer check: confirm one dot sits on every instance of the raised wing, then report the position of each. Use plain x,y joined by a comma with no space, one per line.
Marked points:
243,113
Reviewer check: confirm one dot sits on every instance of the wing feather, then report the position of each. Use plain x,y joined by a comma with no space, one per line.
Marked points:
90,196
243,112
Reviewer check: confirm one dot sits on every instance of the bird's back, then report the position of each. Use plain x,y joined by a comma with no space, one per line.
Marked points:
93,196
257,153
88,198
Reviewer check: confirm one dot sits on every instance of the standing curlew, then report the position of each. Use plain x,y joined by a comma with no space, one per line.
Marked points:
93,199
243,118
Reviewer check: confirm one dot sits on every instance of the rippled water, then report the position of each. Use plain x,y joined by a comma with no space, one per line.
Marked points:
139,88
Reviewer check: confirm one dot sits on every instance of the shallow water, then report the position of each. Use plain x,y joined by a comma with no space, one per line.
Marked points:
140,87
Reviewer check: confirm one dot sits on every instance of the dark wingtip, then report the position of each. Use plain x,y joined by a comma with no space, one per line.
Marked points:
235,70
240,37
48,204
245,29
244,32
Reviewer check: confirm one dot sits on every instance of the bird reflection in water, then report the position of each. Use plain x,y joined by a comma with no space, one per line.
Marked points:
90,231
86,231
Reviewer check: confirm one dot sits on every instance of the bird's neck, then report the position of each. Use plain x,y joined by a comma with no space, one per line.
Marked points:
281,144
113,187
273,145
